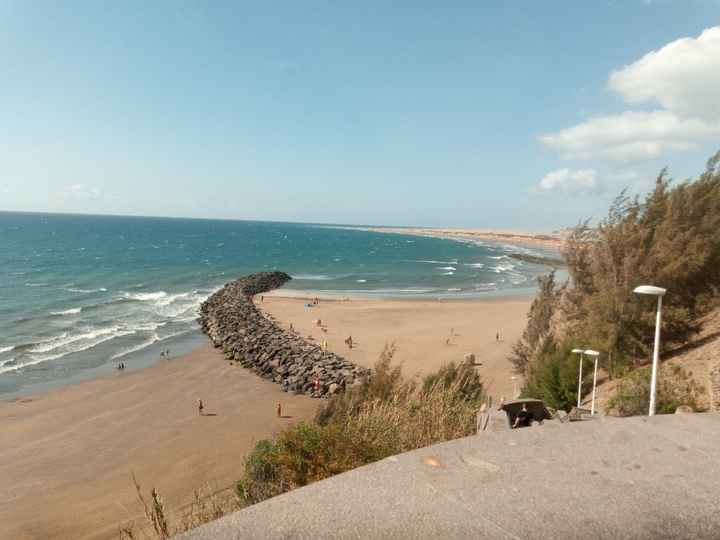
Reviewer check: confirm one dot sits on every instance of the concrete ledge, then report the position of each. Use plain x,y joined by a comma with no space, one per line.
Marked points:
635,478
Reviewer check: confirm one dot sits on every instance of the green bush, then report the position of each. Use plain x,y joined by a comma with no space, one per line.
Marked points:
675,387
386,416
554,378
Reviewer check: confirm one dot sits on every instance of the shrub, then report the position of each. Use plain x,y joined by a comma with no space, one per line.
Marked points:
386,381
675,387
463,376
554,378
386,416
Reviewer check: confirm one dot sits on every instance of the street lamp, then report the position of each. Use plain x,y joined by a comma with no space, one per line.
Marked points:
659,292
590,352
580,352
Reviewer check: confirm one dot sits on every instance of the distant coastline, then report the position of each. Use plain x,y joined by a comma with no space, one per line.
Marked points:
554,240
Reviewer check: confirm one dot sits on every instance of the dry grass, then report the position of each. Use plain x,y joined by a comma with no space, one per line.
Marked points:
159,524
388,416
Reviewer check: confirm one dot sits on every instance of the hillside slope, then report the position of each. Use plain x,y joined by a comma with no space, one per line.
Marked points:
698,358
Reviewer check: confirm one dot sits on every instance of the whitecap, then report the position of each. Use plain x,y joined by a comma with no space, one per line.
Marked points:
436,262
447,268
6,349
87,291
448,273
14,367
454,289
36,284
136,348
475,265
73,311
150,326
144,297
361,280
91,335
312,277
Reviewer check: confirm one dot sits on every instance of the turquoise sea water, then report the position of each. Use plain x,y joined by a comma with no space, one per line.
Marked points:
78,294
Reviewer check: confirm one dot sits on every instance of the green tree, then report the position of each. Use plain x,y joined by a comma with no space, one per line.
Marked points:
537,333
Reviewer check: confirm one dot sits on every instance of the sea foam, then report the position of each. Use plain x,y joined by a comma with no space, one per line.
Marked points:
73,311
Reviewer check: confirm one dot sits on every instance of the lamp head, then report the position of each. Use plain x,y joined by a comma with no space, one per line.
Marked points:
650,289
578,351
590,352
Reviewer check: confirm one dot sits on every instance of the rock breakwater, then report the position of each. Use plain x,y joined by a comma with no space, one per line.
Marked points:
232,321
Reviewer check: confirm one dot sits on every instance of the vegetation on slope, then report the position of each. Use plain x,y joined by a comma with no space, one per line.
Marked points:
671,239
387,416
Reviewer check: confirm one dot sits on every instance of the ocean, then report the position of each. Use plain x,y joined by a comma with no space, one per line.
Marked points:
79,294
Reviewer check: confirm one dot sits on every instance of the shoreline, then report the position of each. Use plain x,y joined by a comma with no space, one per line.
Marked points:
340,296
145,360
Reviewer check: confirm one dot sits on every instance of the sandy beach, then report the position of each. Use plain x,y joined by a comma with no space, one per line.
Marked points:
66,456
553,240
420,330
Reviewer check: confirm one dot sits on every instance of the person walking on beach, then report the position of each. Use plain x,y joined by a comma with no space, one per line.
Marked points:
262,299
497,336
200,407
279,410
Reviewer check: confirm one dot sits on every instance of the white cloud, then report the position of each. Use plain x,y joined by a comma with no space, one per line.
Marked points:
683,77
630,135
591,182
569,181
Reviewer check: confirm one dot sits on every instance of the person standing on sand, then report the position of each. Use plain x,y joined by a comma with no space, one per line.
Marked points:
262,299
279,410
200,407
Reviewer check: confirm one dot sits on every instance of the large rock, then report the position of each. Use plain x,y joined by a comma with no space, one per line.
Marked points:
231,321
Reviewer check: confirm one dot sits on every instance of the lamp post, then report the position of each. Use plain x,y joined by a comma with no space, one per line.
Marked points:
590,352
659,292
580,352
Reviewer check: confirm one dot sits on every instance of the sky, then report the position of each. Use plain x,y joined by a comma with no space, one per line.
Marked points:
508,114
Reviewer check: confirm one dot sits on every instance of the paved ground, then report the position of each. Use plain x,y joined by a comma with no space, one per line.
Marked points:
606,478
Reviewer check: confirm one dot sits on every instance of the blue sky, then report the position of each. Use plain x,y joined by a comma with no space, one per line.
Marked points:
512,114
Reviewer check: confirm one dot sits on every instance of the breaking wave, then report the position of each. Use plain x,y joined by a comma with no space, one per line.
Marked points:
73,311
